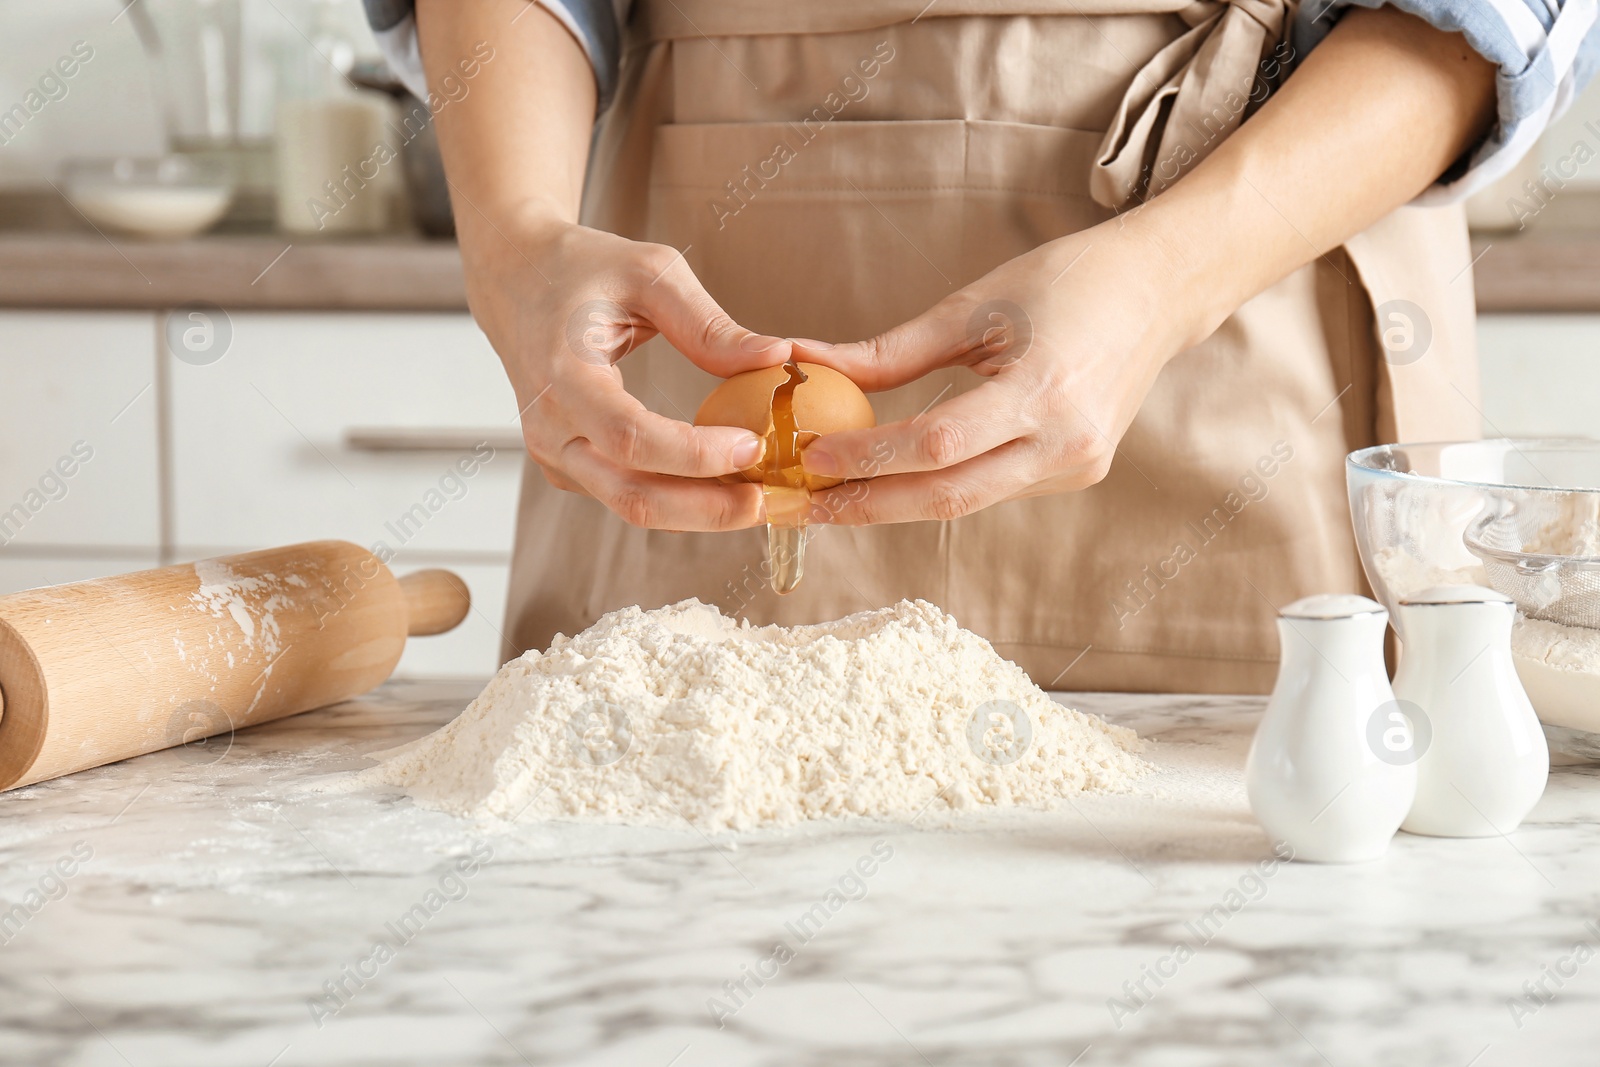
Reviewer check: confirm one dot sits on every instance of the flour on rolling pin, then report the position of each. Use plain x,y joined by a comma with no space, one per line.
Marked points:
98,671
222,592
251,603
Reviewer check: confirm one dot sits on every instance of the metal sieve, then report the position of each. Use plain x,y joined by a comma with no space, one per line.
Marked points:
1556,588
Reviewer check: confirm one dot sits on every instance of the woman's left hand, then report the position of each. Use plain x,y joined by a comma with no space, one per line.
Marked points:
1070,337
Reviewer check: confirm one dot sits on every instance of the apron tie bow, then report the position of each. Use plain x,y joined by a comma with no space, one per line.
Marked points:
1189,96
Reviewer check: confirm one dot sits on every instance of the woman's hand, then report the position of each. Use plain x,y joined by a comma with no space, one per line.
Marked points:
561,304
1073,334
1070,336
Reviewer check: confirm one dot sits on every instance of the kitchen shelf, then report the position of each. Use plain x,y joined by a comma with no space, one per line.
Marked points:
87,270
1537,272
1542,270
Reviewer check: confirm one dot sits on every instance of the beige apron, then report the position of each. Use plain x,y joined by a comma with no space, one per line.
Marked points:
834,167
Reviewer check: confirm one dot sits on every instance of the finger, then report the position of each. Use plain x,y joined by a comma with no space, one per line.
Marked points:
947,494
693,323
556,478
958,430
631,435
936,338
660,502
601,331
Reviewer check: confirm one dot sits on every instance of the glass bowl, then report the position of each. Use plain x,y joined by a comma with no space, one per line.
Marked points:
1518,515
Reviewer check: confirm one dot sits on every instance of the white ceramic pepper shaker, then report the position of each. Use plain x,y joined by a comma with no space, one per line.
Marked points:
1318,775
1486,764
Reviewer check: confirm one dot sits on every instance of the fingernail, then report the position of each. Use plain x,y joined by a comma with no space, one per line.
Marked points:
806,342
819,463
747,453
756,342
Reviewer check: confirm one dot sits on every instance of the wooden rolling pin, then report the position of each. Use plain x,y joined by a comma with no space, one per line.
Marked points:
95,672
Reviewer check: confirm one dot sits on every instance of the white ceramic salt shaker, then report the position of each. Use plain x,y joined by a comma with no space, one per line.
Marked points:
1486,763
1316,778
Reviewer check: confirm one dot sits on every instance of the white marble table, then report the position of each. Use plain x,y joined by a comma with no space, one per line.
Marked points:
211,896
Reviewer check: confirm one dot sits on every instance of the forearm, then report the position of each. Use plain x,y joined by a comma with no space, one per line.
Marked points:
563,303
1369,120
515,147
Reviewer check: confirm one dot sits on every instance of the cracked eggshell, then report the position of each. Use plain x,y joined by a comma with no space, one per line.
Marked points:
826,402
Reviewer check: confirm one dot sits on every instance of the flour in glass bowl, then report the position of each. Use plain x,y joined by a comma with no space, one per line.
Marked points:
1573,531
682,714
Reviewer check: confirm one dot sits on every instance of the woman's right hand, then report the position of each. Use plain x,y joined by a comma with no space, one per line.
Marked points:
562,303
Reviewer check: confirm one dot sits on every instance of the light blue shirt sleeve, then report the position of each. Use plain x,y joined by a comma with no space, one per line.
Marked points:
1547,50
597,25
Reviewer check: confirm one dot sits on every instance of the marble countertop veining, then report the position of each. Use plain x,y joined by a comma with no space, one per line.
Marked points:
208,907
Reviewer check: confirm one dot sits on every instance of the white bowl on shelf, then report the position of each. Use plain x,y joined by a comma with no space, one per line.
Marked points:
167,196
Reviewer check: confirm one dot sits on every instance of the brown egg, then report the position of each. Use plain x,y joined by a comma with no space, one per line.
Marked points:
826,402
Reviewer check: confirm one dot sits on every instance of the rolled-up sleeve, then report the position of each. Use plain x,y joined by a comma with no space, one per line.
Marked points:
1546,51
597,25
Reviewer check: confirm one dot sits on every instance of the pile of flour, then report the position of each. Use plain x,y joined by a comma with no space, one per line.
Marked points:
680,714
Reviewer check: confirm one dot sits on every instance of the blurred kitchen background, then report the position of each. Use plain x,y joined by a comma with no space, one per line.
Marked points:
196,360
259,374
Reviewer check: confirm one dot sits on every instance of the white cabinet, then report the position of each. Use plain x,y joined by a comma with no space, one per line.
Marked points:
385,429
471,650
398,429
32,571
1541,375
391,429
79,459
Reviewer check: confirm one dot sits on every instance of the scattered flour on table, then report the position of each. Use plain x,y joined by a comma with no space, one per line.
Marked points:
657,717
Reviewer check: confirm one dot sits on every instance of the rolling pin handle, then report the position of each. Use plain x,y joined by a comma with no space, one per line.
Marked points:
436,602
